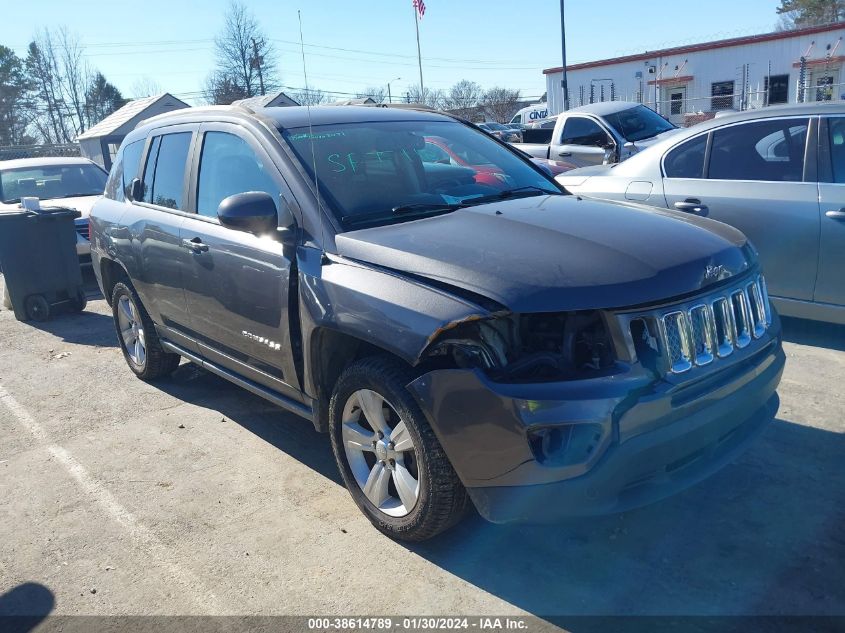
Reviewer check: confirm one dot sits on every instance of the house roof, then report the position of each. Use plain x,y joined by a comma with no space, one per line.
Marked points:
357,101
704,46
128,113
267,101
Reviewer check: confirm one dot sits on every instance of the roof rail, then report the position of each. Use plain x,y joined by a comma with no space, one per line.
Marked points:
196,110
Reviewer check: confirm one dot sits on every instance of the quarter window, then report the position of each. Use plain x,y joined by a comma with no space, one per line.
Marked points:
687,160
228,166
167,161
761,150
124,170
581,131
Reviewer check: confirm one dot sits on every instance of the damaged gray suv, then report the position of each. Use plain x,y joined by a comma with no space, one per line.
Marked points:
466,336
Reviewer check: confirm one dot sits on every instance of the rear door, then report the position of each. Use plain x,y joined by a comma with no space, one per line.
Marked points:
581,142
152,225
237,284
755,176
830,284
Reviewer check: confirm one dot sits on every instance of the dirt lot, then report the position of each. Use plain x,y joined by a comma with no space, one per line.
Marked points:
195,497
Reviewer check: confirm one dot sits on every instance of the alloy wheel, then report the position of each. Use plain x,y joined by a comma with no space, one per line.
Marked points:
131,331
381,453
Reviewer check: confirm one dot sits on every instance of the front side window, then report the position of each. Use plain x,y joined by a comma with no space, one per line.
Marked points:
49,182
722,93
164,176
228,165
760,150
374,173
581,131
433,153
687,160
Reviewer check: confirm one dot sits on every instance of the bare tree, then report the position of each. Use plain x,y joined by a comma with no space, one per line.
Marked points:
310,96
428,97
796,14
501,103
379,95
45,75
463,98
76,77
244,57
145,86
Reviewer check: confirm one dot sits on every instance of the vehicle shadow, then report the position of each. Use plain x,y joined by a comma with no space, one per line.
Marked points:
286,431
24,607
83,328
814,333
761,537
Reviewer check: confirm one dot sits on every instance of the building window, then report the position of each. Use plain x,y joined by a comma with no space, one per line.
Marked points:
777,89
824,88
722,93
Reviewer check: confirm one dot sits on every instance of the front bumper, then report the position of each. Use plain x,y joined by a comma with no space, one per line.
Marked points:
658,438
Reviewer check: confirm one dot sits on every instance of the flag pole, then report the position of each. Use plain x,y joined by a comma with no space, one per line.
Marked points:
419,55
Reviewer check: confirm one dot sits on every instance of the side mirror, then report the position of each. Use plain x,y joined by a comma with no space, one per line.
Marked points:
251,212
135,190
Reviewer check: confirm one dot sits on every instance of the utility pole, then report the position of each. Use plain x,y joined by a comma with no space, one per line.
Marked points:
257,60
563,84
419,54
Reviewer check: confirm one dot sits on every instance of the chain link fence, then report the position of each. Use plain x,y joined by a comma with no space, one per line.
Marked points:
11,152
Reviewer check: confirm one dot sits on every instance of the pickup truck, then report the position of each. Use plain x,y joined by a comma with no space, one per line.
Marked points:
524,351
598,133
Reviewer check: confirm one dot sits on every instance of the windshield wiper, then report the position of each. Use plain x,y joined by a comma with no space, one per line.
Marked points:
510,193
419,208
74,195
424,207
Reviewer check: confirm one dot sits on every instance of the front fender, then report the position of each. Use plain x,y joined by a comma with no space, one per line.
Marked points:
382,308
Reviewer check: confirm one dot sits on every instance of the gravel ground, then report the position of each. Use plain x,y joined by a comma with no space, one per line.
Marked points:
192,496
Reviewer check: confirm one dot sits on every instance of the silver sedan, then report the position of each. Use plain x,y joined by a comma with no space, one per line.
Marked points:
777,174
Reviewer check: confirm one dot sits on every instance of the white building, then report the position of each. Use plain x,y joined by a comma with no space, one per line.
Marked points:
737,73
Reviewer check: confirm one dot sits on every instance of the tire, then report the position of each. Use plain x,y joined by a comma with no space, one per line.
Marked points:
149,360
37,308
440,501
80,301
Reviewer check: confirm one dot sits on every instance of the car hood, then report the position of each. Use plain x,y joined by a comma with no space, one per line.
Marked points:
82,204
555,253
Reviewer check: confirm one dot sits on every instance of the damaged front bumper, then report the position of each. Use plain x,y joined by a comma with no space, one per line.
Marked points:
618,442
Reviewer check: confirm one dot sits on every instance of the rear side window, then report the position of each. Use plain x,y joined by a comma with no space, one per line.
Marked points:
760,150
164,175
581,131
228,166
687,160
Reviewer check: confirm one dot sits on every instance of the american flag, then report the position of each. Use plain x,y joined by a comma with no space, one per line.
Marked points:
419,5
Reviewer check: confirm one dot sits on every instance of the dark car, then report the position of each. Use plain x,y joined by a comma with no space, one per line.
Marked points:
531,353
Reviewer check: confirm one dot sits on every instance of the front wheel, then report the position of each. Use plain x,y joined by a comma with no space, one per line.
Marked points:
393,465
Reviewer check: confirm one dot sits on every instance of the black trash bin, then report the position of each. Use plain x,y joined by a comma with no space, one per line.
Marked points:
39,262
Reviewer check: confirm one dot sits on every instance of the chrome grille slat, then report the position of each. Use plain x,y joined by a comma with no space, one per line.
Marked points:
694,334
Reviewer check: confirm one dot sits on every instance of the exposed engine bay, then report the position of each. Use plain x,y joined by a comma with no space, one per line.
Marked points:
519,348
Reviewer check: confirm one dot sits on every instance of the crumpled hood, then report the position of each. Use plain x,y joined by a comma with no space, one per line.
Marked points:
555,253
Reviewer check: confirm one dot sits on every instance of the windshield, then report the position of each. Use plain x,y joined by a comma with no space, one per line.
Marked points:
51,181
638,123
494,126
371,173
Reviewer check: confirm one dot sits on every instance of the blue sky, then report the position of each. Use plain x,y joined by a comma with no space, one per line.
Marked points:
352,45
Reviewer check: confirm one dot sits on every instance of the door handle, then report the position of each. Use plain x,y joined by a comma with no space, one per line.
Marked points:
836,215
195,245
691,205
565,154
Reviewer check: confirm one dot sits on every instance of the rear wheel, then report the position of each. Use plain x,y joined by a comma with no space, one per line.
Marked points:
388,455
137,336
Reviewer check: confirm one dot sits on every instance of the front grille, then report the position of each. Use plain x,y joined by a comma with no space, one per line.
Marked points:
713,327
83,229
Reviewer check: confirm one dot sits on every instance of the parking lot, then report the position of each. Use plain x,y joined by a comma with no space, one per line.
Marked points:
192,496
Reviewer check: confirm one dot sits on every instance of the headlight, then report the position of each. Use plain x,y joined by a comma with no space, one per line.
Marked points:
545,347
